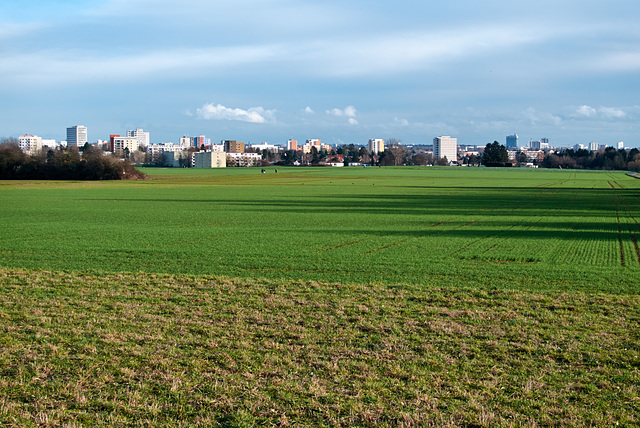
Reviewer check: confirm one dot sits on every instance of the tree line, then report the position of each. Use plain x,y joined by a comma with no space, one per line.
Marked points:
62,164
609,158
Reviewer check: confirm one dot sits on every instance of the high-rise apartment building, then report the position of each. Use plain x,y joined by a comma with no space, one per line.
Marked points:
140,135
292,144
232,146
445,147
185,141
376,145
76,136
512,142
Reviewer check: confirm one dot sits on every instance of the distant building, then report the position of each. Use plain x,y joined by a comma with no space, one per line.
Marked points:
177,159
200,141
244,159
124,145
209,160
76,136
141,136
30,143
265,146
232,146
315,143
445,147
156,150
593,146
539,145
620,145
51,143
292,144
512,142
376,145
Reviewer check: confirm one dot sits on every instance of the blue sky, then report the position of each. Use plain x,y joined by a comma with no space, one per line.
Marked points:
342,71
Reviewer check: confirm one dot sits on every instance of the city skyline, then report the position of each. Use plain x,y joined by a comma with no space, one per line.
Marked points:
343,72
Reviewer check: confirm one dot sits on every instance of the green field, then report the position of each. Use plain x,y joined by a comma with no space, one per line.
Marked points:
322,297
471,226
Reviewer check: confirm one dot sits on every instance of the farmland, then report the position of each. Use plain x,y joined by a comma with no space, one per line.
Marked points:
532,229
351,297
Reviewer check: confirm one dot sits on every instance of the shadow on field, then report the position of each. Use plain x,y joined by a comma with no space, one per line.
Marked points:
522,201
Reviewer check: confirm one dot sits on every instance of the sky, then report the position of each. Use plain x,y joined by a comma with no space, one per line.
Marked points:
343,71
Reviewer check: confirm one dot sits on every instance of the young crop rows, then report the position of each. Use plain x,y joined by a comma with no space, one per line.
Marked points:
510,228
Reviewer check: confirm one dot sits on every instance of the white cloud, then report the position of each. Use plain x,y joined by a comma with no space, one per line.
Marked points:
612,112
536,118
73,67
586,111
349,111
401,122
413,50
601,112
352,121
220,112
309,110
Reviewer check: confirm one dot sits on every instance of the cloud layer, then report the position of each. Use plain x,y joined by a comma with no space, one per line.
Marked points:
479,70
220,112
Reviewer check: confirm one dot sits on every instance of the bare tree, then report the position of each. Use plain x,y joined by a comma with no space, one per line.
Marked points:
398,150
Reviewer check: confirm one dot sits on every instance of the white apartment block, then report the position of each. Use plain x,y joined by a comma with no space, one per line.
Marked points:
121,145
30,143
265,146
140,135
76,136
210,159
376,145
156,150
445,147
245,159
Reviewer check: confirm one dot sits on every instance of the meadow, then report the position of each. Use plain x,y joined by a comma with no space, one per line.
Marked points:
318,296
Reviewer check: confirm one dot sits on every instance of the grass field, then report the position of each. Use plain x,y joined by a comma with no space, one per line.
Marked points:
515,229
351,297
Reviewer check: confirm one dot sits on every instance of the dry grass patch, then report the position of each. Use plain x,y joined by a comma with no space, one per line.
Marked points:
161,350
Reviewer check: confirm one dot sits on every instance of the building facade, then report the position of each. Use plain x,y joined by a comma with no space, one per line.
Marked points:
30,143
76,136
244,159
314,142
376,145
512,142
233,146
445,147
209,160
124,145
292,144
156,150
141,136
